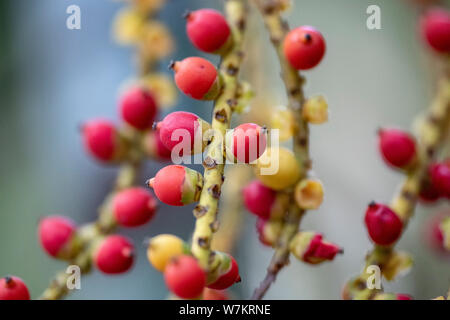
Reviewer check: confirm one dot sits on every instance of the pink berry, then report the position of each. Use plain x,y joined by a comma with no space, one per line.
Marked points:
320,250
183,129
397,147
177,185
249,142
133,207
114,255
402,296
185,277
197,78
304,47
55,234
259,199
434,235
207,29
435,28
440,177
428,193
138,108
383,224
13,288
101,139
228,278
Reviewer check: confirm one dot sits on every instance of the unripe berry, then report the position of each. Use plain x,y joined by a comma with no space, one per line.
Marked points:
197,78
315,110
277,168
183,130
163,248
268,231
154,147
208,30
435,28
440,177
133,207
248,142
138,108
304,47
177,185
114,255
56,235
185,277
259,199
101,139
13,288
383,224
211,294
283,120
397,147
311,248
227,277
309,194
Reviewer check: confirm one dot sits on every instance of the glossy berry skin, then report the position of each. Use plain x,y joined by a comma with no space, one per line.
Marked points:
177,185
249,142
186,123
100,139
114,255
440,177
435,29
13,288
197,78
138,108
55,234
304,47
258,199
133,207
383,225
227,279
163,248
397,147
207,29
184,277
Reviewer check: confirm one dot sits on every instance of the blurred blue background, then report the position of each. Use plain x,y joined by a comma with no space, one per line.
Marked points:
52,79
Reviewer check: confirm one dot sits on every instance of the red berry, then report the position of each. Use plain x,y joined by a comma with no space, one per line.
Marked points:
138,108
228,278
429,193
114,255
402,296
435,27
184,129
440,177
207,29
133,207
249,142
304,47
397,147
13,288
434,235
259,199
197,78
383,224
211,294
154,146
177,185
185,277
319,250
55,234
100,139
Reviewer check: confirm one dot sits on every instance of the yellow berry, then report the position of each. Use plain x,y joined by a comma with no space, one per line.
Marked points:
128,24
156,40
162,248
309,194
283,120
148,6
315,110
277,168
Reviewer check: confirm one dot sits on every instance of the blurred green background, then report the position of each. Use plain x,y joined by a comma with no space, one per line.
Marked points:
52,78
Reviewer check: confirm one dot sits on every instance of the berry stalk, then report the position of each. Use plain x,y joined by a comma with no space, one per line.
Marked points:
278,28
207,208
